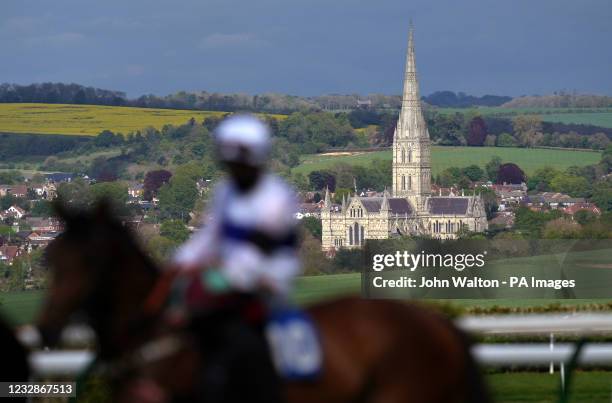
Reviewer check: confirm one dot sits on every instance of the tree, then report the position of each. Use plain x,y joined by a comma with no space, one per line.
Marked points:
11,177
510,173
474,172
490,201
492,168
532,221
527,128
312,257
42,208
161,248
561,228
153,181
542,177
319,180
602,195
177,198
312,225
477,132
114,192
575,186
506,140
175,230
584,217
75,193
341,192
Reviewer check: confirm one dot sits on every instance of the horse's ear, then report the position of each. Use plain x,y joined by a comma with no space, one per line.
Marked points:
62,211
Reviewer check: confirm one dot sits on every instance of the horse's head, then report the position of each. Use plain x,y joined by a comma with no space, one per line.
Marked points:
93,263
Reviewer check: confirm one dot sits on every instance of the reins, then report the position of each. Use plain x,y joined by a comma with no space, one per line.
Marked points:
159,293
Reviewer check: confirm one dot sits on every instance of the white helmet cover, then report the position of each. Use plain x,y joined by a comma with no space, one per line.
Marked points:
243,138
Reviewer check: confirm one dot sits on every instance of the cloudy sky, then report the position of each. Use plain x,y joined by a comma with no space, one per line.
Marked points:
309,47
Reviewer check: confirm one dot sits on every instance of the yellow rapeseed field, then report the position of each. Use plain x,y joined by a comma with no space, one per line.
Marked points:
90,120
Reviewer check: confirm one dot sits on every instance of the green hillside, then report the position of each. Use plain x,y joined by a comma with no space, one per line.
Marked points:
587,116
529,159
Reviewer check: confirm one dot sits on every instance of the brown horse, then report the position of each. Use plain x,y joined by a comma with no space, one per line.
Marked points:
13,364
374,350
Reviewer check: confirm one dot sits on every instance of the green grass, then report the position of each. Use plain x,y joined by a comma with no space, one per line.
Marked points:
20,307
445,157
587,116
541,387
597,119
90,119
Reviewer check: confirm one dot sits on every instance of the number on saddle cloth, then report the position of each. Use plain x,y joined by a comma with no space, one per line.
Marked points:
294,344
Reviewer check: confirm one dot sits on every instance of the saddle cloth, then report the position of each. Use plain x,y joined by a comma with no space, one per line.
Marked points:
294,345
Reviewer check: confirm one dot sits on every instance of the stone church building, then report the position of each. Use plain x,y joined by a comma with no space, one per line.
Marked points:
411,209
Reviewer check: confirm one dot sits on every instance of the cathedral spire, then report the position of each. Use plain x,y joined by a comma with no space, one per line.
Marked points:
411,116
327,203
384,206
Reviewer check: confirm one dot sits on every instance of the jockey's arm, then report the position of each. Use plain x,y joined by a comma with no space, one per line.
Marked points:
201,250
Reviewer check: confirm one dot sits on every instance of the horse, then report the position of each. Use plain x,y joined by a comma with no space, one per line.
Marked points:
14,366
378,351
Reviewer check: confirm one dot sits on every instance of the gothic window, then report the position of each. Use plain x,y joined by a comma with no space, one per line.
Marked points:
403,182
403,155
350,235
409,155
409,182
356,232
361,239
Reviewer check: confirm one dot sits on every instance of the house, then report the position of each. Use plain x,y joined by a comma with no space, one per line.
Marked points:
573,209
308,210
551,200
44,225
16,212
59,177
4,189
503,219
18,191
45,190
136,190
36,239
8,253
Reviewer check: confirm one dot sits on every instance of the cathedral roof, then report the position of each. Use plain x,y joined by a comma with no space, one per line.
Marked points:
372,204
448,205
397,205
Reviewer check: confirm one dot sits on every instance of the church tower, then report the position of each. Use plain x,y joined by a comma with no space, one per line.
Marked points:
411,144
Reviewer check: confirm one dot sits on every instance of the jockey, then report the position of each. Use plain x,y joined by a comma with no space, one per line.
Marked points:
250,235
250,239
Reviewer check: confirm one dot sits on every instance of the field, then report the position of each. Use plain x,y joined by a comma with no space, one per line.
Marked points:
90,119
588,116
445,157
597,119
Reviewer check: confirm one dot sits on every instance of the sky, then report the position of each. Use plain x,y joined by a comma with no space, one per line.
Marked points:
309,47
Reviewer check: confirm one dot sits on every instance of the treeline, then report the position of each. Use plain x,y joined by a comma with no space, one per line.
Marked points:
36,145
560,100
472,129
59,93
202,100
449,99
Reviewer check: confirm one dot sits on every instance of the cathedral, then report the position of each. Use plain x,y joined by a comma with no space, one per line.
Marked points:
411,209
